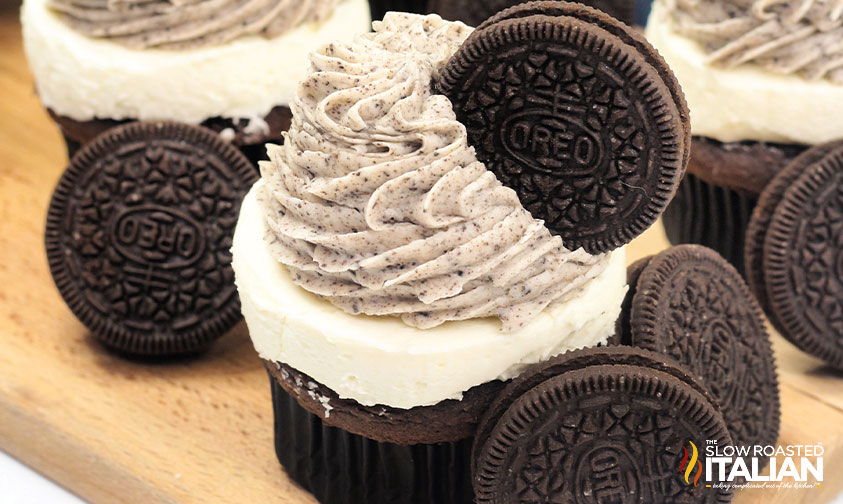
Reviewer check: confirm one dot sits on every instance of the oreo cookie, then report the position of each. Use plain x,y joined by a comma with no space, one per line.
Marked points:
803,259
762,216
578,114
623,330
692,305
138,236
598,425
475,13
631,37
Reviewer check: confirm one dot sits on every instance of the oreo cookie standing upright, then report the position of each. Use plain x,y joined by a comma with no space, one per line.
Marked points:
762,216
623,328
599,425
803,260
577,114
692,305
138,236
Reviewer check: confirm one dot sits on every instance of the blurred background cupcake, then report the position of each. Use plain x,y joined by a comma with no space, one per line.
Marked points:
472,12
154,94
764,81
98,63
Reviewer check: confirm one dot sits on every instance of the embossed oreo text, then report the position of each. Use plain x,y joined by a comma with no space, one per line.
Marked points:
546,142
609,475
158,235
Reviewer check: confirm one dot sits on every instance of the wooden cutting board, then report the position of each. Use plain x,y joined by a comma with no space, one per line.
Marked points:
198,430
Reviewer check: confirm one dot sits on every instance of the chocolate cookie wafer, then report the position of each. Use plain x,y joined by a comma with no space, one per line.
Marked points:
762,216
623,331
615,425
138,236
577,119
803,260
568,361
692,305
631,37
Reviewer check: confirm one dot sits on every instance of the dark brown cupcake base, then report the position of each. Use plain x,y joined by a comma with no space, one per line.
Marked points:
339,467
251,143
714,202
446,421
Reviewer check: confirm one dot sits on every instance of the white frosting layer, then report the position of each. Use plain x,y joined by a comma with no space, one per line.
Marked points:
84,78
381,360
747,102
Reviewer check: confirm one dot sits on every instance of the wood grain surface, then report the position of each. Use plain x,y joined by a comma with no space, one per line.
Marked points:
197,430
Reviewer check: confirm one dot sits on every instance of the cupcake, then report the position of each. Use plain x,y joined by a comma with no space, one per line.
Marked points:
161,101
100,63
364,258
763,81
389,280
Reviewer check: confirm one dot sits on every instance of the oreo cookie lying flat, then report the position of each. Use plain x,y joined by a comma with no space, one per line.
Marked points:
598,425
692,305
578,114
138,236
474,13
803,259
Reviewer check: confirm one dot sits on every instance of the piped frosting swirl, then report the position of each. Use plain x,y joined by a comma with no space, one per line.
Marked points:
187,24
783,36
377,203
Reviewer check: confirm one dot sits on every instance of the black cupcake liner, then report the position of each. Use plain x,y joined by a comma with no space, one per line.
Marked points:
710,215
338,467
71,144
381,7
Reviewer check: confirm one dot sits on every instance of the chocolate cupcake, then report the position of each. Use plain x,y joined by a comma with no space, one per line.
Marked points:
100,63
390,275
364,258
763,82
156,96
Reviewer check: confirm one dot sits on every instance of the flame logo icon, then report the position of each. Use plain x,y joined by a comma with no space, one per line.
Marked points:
687,466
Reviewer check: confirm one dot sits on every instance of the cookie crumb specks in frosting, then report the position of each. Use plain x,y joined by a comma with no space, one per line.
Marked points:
187,24
377,203
795,36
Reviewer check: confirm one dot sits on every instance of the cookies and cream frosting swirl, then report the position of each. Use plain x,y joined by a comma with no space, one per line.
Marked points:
784,36
377,203
186,24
